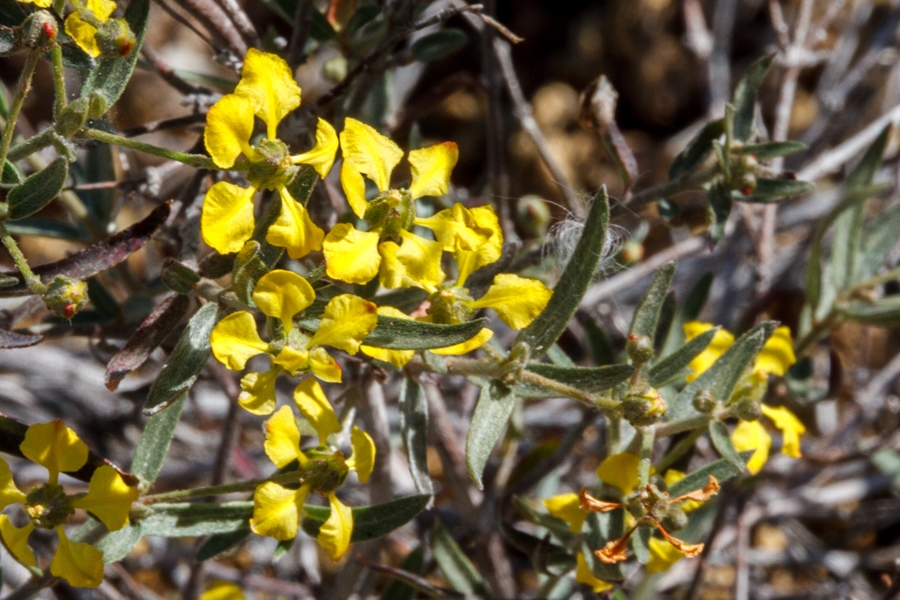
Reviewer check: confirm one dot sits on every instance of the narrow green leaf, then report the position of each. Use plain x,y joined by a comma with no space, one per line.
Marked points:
664,324
773,149
221,542
399,590
38,190
370,522
878,239
588,379
599,529
546,556
455,565
190,519
495,405
646,315
11,174
439,44
111,75
697,150
414,430
863,173
721,469
671,365
769,190
721,439
153,446
597,343
186,361
117,544
302,184
559,357
573,282
745,97
720,203
640,543
882,313
406,334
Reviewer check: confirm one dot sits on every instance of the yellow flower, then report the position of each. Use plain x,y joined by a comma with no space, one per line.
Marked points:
59,450
751,435
620,471
277,509
39,3
662,555
357,256
774,359
280,294
568,508
223,590
266,90
85,34
583,575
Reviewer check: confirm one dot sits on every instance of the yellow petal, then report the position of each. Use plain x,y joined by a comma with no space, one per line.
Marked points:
751,435
480,339
294,230
80,564
472,235
431,169
282,444
354,188
334,536
722,341
16,541
292,360
266,79
102,9
323,366
662,555
568,508
9,493
370,152
517,300
398,358
583,575
620,471
346,321
351,255
109,498
778,353
83,33
223,590
315,407
790,426
276,510
55,447
672,477
363,458
258,392
41,3
414,263
227,219
234,340
229,125
321,157
282,294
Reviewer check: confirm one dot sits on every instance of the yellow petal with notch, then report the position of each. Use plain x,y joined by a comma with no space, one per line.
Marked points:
41,3
16,540
324,366
334,535
431,169
109,498
346,321
790,426
258,392
282,294
751,435
480,339
351,255
55,447
294,230
321,157
229,125
227,219
277,510
777,354
80,564
516,300
620,471
234,340
373,154
315,407
568,508
266,79
363,458
414,263
354,188
282,443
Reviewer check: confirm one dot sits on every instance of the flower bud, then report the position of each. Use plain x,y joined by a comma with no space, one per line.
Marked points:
72,117
675,520
747,183
639,349
747,409
704,401
632,253
39,31
115,38
643,407
335,69
533,216
65,296
178,277
96,105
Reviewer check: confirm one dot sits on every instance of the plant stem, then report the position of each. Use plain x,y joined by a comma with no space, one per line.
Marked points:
816,332
24,86
648,437
31,280
32,145
680,425
679,450
229,488
59,79
876,280
194,160
671,188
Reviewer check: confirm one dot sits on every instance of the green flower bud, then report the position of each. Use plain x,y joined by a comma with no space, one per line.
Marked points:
643,406
72,117
632,253
39,31
178,277
704,401
96,105
675,520
115,38
746,184
65,296
747,409
335,69
334,474
533,216
639,349
450,305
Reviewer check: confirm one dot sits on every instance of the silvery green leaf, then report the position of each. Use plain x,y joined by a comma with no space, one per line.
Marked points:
495,405
745,97
697,150
587,379
721,469
455,565
38,190
773,149
646,315
369,522
414,430
671,365
721,439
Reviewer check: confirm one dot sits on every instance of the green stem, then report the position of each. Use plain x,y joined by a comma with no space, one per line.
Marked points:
194,160
228,488
816,332
684,183
32,145
877,280
681,425
31,280
679,450
648,437
24,86
59,79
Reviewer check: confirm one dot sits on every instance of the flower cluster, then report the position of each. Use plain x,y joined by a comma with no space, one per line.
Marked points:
59,450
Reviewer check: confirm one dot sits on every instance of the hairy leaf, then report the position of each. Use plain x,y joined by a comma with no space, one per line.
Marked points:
495,405
38,190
